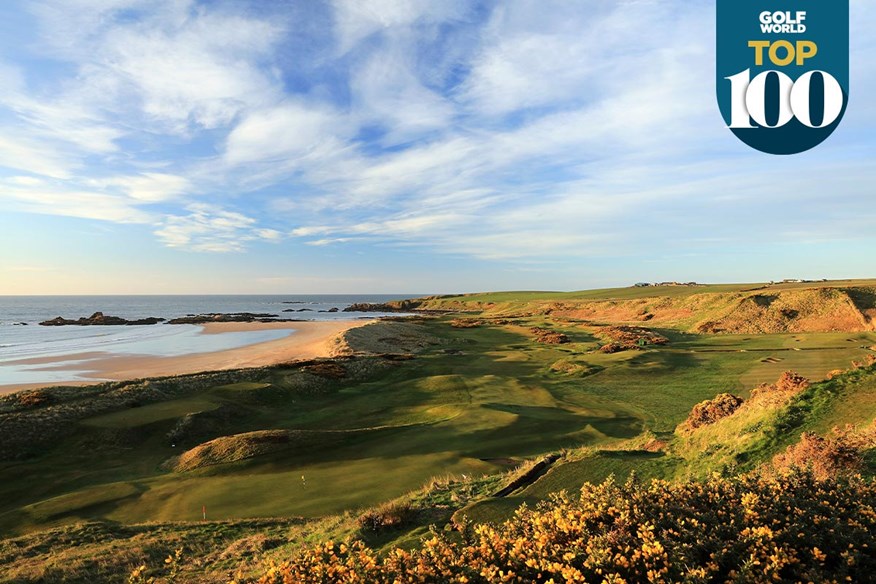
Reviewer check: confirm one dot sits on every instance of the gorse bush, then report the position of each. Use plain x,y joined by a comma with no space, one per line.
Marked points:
712,410
392,515
725,405
549,337
753,528
625,338
790,383
35,398
843,452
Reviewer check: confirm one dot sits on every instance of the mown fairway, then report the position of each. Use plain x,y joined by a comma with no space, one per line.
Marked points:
472,402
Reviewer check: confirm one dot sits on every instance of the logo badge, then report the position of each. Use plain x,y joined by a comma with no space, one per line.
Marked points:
783,71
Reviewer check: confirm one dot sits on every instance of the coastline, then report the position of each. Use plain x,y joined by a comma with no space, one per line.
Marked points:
310,340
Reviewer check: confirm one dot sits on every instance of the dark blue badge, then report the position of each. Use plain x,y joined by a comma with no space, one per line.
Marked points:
783,71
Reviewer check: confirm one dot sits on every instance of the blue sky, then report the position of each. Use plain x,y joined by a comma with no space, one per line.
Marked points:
177,146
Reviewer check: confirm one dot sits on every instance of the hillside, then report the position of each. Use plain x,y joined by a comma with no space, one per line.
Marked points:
778,521
848,306
432,420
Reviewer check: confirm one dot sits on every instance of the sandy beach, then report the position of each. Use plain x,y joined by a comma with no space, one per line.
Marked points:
309,341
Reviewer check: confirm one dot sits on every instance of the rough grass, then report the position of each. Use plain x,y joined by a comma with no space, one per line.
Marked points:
99,551
142,415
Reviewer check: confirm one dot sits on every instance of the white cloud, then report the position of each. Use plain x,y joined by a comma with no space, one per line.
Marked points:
25,181
48,119
474,189
387,93
179,65
327,241
149,187
200,72
57,199
208,228
268,234
31,155
308,231
356,20
285,134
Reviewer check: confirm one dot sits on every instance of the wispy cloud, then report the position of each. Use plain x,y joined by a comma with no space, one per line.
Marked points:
149,187
173,61
209,228
57,198
525,131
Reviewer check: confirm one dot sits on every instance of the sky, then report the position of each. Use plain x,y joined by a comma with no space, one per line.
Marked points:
403,146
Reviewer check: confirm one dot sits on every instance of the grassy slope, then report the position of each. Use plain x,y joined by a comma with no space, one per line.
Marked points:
752,308
748,438
482,393
631,293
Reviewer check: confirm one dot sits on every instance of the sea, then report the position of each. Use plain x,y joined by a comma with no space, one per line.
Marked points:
23,340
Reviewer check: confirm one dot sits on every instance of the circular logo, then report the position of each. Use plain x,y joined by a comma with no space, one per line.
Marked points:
782,71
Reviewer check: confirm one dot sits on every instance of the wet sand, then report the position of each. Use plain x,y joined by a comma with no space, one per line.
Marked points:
309,341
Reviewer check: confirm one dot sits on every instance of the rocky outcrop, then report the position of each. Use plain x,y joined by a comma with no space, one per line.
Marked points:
369,307
394,306
100,319
225,317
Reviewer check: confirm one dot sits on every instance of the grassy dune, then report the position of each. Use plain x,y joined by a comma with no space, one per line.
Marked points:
733,308
416,401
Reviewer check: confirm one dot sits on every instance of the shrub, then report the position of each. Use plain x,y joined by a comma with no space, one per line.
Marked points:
633,337
35,398
843,452
326,369
629,338
464,323
712,410
789,384
390,515
549,337
792,382
869,361
610,348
